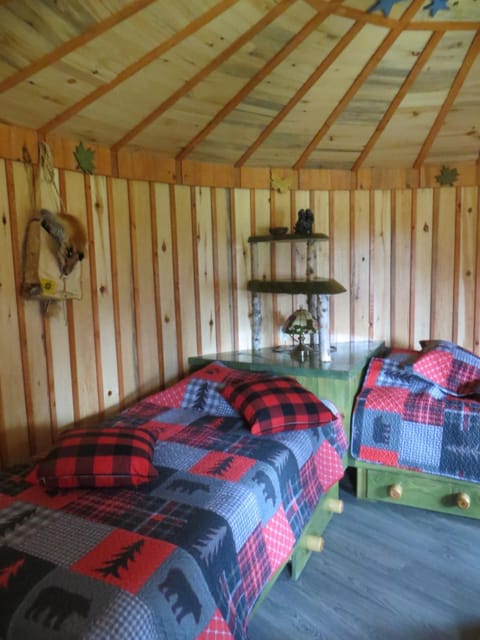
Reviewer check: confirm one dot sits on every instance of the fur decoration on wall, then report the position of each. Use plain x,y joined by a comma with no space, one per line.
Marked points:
55,244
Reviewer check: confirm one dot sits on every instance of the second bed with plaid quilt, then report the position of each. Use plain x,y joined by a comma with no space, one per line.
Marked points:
420,410
185,551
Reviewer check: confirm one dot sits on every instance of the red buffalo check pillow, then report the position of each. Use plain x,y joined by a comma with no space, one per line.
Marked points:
104,457
275,403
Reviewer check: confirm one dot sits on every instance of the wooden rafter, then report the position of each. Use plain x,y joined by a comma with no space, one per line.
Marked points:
363,75
470,57
276,11
152,55
402,92
67,47
307,29
306,86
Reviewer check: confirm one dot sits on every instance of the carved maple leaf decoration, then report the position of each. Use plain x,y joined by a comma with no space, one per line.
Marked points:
447,176
85,158
282,185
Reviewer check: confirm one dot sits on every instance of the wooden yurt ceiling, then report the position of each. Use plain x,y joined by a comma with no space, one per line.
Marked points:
338,84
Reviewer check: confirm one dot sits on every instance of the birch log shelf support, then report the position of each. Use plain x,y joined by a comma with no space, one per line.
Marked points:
317,290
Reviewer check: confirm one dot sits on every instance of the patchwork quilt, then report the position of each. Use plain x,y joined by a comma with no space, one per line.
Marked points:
184,555
421,411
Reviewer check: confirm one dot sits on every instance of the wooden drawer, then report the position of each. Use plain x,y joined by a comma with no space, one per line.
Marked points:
420,490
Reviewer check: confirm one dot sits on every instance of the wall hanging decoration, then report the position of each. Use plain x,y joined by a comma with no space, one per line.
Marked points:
383,5
85,158
437,5
279,183
54,245
447,176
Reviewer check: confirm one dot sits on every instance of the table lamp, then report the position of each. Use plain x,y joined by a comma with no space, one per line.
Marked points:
297,325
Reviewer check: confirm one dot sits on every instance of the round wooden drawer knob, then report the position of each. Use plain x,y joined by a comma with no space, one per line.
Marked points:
314,543
463,500
395,491
334,505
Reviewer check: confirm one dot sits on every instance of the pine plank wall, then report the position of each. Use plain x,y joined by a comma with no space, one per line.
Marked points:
166,269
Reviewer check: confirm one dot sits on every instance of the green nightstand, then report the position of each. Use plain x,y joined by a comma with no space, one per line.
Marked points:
337,381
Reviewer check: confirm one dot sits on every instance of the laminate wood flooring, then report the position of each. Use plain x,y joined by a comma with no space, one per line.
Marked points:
388,572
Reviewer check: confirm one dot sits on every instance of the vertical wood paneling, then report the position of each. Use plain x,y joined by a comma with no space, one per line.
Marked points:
400,294
320,205
186,276
241,266
105,308
360,282
165,278
281,216
33,344
206,285
467,267
14,417
340,264
166,282
57,336
144,287
223,270
423,265
81,321
380,266
267,263
443,264
122,268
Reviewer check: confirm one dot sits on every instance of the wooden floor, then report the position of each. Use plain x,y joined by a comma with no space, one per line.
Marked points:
387,573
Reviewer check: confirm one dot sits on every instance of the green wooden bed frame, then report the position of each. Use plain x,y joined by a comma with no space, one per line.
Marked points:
417,489
328,505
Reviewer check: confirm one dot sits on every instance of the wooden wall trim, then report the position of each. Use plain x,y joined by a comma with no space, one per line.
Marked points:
21,144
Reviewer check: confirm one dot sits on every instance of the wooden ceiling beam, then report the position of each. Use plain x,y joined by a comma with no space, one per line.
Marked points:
307,29
149,57
360,79
462,73
402,92
306,86
67,47
269,17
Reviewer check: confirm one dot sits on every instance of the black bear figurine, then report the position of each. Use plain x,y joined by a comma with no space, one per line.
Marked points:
304,223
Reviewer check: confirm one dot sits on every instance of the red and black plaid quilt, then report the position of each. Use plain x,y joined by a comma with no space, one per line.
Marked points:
404,419
183,556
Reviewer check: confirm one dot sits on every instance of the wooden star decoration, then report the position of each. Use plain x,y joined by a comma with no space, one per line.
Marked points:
85,158
383,5
282,185
437,5
447,176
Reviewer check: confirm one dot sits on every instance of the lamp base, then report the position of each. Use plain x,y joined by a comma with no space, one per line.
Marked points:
301,351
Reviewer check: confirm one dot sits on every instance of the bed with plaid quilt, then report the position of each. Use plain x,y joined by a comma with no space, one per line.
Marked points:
185,555
420,410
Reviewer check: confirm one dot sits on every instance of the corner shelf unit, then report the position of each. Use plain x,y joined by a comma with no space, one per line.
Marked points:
316,289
